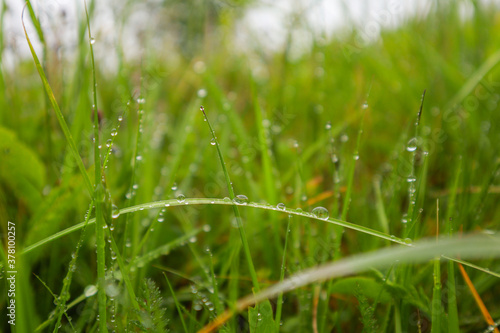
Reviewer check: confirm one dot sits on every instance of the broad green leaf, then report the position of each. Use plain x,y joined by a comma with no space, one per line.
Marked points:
21,169
260,318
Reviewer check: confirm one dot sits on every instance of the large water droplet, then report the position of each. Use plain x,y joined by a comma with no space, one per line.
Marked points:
112,289
241,199
412,144
181,197
281,206
92,40
321,212
115,212
212,142
90,290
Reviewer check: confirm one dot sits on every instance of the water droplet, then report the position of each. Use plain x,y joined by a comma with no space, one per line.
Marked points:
240,199
138,158
120,118
364,106
115,212
141,100
328,125
412,145
212,142
92,40
321,212
181,197
207,228
161,219
193,239
174,187
202,93
355,157
112,289
210,306
90,290
344,138
411,179
281,206
408,240
404,218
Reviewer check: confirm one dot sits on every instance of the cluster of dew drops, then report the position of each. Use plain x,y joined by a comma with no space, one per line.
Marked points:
318,212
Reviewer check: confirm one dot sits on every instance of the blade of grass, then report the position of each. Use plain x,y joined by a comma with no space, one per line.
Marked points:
484,310
55,298
59,116
100,196
453,320
339,231
213,201
436,307
279,304
177,304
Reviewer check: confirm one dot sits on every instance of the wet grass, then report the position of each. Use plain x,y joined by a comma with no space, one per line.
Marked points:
325,187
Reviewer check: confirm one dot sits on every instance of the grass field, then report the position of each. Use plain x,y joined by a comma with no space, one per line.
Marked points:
351,187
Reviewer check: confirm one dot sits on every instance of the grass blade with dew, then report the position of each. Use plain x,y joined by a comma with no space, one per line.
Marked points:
101,195
412,191
213,201
452,318
436,305
471,247
345,209
244,240
279,304
267,319
269,178
55,299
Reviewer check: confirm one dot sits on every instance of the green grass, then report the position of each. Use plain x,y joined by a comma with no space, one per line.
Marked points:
160,236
